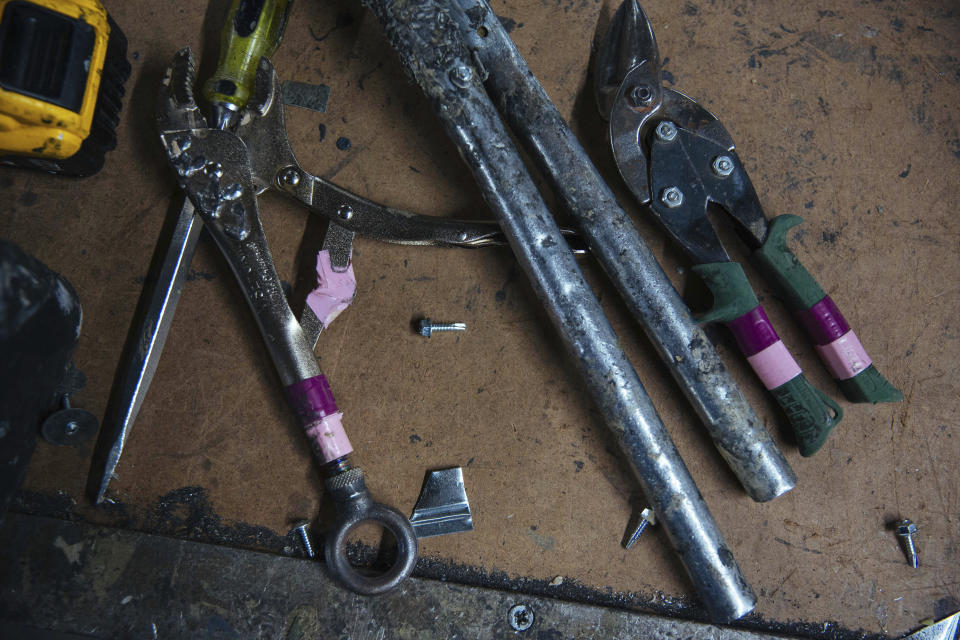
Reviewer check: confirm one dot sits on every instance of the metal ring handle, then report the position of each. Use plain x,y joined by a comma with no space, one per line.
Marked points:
335,551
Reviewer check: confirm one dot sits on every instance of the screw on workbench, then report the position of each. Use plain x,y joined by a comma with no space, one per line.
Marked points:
521,617
906,530
646,519
301,527
427,328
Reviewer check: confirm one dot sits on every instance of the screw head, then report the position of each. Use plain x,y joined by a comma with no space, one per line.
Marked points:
722,166
426,327
666,131
672,197
520,617
906,528
640,96
290,177
345,211
461,75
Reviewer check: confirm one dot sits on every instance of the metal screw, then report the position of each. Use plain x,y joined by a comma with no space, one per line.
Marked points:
72,425
672,197
521,617
722,166
427,327
345,211
640,96
301,527
905,531
461,75
666,131
290,177
646,519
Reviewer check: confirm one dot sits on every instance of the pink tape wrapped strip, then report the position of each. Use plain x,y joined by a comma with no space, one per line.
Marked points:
774,365
845,357
335,290
328,437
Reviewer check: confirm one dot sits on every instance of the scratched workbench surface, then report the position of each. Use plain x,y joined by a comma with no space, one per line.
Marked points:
843,112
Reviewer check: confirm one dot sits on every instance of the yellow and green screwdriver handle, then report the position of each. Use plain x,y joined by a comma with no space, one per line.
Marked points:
253,30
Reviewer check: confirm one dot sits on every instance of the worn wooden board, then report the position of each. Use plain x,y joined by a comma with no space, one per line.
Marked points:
843,112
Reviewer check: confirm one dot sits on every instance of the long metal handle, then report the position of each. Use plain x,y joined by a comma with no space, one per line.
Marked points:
683,346
430,49
145,342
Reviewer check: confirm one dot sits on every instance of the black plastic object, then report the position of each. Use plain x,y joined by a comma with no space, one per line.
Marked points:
39,325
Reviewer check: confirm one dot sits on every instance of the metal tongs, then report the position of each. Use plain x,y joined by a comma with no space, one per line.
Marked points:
222,174
677,157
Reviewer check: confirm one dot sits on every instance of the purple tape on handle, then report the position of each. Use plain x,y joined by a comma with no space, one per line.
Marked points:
753,331
314,405
823,322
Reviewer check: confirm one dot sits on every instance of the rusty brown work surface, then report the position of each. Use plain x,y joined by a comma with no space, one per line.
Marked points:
843,112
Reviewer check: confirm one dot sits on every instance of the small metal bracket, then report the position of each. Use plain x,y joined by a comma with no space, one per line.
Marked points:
442,507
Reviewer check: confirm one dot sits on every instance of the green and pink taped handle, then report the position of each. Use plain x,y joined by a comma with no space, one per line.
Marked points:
836,343
811,413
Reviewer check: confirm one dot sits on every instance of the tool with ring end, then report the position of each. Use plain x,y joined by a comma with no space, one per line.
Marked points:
214,168
677,158
273,166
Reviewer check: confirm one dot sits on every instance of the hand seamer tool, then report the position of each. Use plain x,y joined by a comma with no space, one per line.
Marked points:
676,157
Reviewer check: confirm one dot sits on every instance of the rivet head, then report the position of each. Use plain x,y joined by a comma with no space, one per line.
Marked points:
666,131
672,197
722,166
290,177
345,211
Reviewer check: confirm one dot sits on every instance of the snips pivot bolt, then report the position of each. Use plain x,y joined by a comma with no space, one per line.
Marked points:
345,211
722,166
906,530
640,96
666,131
672,197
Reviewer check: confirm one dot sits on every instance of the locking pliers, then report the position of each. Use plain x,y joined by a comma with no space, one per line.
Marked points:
223,173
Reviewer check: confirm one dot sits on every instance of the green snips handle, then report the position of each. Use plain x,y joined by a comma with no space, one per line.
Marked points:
836,344
811,413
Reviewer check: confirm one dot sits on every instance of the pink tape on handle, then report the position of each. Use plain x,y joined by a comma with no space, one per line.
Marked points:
335,290
845,357
328,438
313,402
774,365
